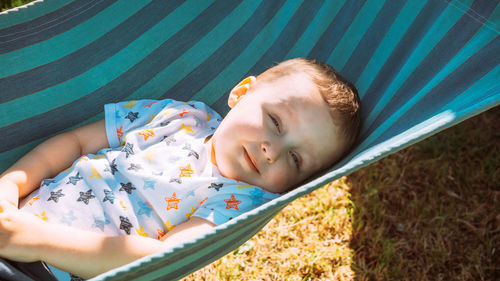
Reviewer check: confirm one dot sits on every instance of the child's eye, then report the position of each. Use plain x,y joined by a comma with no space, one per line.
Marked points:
295,159
276,123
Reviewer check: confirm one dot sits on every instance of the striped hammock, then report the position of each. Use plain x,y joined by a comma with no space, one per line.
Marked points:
420,67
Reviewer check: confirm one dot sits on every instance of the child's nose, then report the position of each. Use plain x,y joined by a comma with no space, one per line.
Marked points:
271,151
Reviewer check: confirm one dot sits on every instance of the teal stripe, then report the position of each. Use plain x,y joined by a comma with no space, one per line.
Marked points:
31,12
69,41
9,157
445,21
195,56
354,33
472,95
488,81
450,114
245,61
391,38
316,28
99,76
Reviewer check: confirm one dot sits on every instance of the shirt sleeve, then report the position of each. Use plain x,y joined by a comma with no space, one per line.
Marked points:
221,208
125,116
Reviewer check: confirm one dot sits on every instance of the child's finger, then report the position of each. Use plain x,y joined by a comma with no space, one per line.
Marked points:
6,205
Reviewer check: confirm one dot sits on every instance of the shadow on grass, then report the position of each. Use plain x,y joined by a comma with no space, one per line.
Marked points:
431,211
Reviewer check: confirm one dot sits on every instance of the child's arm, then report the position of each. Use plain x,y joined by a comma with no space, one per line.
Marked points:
24,237
49,158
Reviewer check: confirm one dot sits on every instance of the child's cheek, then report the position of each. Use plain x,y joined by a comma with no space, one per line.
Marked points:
279,179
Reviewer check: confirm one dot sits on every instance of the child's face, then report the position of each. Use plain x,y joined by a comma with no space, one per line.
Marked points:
277,135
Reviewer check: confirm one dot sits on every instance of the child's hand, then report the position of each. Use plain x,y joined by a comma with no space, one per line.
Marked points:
19,233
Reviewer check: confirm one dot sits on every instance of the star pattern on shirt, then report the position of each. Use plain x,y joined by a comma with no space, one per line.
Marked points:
128,149
68,218
168,140
160,232
186,128
85,196
100,222
74,179
95,174
132,116
172,202
184,111
135,167
149,184
188,215
108,196
47,182
232,203
187,147
157,173
169,226
186,171
190,193
125,224
33,200
141,231
54,196
113,167
146,133
177,180
130,104
149,155
150,104
127,187
216,186
119,133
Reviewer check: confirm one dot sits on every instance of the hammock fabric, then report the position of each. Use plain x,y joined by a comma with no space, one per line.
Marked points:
420,67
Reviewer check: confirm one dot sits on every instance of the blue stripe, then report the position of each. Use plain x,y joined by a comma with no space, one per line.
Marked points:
68,42
90,105
224,55
288,36
335,30
371,40
354,33
316,28
440,27
425,19
20,41
82,60
443,52
454,85
392,37
41,23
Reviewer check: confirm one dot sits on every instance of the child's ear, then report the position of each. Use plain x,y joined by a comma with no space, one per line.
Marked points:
240,90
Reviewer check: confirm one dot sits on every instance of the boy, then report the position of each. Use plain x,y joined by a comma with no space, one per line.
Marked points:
172,164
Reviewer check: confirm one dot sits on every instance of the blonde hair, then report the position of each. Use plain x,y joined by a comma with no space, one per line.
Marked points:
340,95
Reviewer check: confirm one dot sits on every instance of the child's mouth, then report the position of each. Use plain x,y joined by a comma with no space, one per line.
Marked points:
251,162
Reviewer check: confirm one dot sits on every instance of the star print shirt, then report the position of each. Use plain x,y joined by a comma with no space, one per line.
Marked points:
155,175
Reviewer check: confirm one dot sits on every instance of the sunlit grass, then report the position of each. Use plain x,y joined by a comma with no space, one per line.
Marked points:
428,212
8,4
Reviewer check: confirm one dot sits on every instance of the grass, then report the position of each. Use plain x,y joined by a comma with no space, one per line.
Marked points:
8,4
428,212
